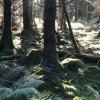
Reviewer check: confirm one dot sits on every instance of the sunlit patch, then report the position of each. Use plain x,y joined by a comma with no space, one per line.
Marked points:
77,26
17,42
85,34
39,23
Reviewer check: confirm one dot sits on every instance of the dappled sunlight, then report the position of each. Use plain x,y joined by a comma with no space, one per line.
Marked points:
77,25
86,34
49,50
17,42
39,23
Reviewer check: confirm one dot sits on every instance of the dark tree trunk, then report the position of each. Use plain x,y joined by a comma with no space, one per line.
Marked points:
6,40
76,10
89,13
27,17
61,18
70,28
50,58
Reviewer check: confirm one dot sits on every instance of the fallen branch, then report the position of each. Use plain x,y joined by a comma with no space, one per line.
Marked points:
13,57
86,57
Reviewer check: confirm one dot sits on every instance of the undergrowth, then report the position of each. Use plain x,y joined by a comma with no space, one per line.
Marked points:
83,85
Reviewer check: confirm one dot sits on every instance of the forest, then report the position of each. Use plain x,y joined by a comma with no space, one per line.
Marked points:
49,49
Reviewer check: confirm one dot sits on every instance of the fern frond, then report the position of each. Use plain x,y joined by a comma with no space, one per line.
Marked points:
25,91
14,72
50,95
92,91
3,69
12,75
47,95
28,81
3,82
4,92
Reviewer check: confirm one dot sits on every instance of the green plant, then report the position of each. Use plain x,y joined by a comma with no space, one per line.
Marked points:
23,89
88,85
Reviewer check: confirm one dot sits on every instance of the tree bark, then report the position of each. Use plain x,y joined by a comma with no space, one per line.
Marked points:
70,28
61,18
50,58
49,52
6,43
76,10
27,17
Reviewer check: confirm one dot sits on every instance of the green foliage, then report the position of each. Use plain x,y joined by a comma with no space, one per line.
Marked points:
25,93
34,57
23,89
87,84
28,81
12,75
4,92
3,69
45,95
50,95
87,92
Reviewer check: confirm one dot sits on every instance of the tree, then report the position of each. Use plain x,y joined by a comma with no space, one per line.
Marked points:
69,25
76,10
6,43
50,58
27,17
61,18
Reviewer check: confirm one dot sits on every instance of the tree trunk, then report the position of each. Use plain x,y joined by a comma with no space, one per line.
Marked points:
27,17
70,28
6,43
61,18
76,10
50,58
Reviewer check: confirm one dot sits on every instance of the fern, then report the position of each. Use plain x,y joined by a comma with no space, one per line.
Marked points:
88,85
50,95
4,92
3,69
11,76
45,95
23,93
14,72
23,89
88,93
28,81
92,92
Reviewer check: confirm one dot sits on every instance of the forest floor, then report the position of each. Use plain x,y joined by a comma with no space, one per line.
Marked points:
87,37
85,34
